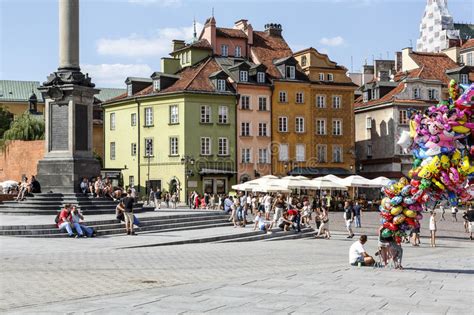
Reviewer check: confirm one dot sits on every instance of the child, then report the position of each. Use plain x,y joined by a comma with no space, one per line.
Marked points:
433,228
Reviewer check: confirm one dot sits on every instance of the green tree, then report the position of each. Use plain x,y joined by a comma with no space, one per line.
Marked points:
26,127
6,119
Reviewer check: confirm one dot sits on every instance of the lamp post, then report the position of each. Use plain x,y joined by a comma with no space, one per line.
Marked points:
185,160
148,156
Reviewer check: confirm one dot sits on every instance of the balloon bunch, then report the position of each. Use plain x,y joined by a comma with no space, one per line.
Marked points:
440,140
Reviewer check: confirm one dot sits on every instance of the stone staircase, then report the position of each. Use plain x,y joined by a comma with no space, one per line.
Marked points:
110,227
51,203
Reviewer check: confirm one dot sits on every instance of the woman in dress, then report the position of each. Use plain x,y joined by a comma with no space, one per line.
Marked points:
433,228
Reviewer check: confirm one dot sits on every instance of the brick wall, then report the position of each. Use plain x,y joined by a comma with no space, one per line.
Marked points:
20,158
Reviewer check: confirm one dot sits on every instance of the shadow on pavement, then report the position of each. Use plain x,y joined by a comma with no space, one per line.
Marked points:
467,271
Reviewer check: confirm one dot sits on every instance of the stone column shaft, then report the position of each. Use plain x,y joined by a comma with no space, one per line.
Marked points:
69,34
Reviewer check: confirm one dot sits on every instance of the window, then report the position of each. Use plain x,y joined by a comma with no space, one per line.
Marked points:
129,90
244,76
245,129
112,150
221,85
283,97
133,119
238,51
223,146
299,97
469,61
131,180
112,121
464,79
403,117
416,93
321,127
261,77
330,77
337,154
432,94
174,118
321,153
299,126
156,84
263,156
321,77
303,61
283,124
246,157
461,58
290,72
224,50
205,146
369,150
283,152
336,102
223,114
368,123
262,130
300,153
133,149
174,146
337,127
205,114
262,103
321,101
245,102
148,116
366,97
374,93
148,147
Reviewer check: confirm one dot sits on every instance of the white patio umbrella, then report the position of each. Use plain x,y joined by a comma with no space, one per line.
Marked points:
333,178
380,181
293,182
271,188
250,185
324,183
357,181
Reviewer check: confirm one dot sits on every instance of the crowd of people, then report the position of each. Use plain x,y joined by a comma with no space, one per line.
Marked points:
26,187
103,188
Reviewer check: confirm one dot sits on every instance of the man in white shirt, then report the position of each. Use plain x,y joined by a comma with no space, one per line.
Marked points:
358,254
267,201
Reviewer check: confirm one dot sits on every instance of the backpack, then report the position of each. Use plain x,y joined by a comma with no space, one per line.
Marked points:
56,220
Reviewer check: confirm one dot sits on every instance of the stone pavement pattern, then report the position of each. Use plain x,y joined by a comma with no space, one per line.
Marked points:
299,276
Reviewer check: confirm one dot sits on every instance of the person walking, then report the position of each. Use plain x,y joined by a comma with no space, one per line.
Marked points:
349,218
454,211
151,196
357,210
267,202
158,196
433,229
278,207
324,223
468,216
443,211
174,200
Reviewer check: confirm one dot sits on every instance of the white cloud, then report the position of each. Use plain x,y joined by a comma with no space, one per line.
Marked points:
163,3
113,75
136,45
333,41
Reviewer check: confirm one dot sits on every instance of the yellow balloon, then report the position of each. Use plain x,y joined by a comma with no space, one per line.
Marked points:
399,219
461,129
409,213
396,210
445,162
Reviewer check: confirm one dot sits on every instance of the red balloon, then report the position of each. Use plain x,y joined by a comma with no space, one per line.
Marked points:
392,227
398,239
415,183
387,216
410,221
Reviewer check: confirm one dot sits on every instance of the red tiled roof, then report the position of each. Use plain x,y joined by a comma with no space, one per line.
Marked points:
468,44
201,44
230,32
267,48
117,98
434,65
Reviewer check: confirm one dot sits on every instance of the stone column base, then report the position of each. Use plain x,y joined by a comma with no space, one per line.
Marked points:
65,175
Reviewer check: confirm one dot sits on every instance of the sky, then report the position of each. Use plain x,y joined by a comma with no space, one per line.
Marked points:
121,38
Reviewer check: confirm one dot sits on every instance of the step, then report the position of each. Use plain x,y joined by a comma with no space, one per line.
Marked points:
303,234
267,236
32,211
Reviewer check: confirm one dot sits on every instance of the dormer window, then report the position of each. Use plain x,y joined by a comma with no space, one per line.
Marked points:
238,51
129,90
261,77
224,50
244,76
290,72
330,77
156,84
221,85
303,61
321,77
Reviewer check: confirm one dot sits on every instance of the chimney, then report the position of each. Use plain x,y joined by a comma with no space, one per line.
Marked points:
177,44
247,28
398,61
209,32
407,62
273,29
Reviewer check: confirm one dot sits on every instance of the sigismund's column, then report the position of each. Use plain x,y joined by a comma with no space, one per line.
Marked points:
69,98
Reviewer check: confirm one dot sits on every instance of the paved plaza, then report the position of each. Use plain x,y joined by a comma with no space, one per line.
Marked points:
58,276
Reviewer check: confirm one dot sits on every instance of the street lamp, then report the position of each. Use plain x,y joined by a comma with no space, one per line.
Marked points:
148,148
186,160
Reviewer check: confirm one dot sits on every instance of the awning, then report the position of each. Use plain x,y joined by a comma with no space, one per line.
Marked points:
319,171
212,171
